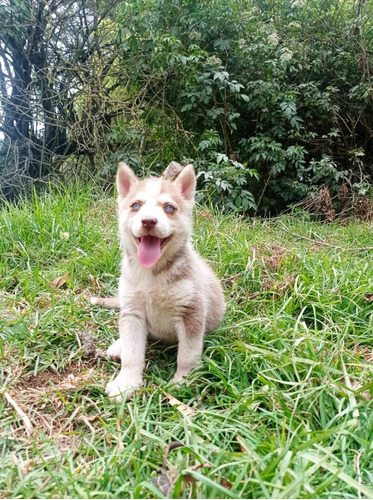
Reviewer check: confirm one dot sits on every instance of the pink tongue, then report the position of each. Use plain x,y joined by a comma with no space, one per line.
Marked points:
149,251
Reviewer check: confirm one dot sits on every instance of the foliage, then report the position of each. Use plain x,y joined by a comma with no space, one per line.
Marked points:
224,179
278,408
287,86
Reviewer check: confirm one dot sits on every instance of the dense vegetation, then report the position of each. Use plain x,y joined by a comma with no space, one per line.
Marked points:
280,406
270,100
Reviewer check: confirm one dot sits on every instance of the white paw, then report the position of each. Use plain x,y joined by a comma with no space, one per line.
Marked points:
115,350
93,300
179,376
123,387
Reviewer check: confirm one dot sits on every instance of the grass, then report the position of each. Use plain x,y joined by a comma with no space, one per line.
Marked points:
279,408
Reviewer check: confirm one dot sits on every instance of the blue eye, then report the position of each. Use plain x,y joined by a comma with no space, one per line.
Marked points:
136,206
169,209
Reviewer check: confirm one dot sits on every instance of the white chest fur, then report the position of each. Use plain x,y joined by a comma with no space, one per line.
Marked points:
160,303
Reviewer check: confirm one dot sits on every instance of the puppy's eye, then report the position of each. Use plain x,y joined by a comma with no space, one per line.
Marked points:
136,206
169,209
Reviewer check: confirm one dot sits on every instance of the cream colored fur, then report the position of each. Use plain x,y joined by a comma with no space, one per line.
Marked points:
177,300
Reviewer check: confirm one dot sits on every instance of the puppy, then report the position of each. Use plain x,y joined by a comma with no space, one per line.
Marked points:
165,288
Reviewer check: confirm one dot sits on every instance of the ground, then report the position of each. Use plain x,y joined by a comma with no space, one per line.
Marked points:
280,406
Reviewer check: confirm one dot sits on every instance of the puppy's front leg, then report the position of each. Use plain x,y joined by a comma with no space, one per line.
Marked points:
132,331
190,338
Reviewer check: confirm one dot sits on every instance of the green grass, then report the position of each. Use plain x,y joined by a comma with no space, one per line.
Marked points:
280,406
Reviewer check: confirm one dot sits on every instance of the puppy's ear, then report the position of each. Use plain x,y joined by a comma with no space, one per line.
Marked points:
186,182
125,179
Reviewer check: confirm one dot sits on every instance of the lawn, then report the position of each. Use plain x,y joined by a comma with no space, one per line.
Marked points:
280,406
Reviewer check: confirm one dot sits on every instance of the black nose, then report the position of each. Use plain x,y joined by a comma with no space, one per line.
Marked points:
149,223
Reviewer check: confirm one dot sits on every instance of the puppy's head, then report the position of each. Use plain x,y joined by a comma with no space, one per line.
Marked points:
155,215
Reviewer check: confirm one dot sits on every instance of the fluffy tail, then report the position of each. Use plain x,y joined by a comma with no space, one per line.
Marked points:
108,302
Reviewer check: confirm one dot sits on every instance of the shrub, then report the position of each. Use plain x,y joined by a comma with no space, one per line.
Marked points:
286,88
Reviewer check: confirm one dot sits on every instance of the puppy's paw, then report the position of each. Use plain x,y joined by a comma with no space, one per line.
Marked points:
123,387
115,350
180,377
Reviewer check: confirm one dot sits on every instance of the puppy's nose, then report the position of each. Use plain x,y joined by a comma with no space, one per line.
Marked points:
149,223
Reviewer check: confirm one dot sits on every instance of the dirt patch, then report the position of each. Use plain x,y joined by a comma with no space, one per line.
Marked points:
74,374
54,410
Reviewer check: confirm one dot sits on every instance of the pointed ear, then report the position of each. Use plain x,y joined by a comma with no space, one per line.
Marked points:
125,179
186,182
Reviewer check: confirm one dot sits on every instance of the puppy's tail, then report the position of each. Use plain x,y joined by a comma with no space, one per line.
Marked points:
108,302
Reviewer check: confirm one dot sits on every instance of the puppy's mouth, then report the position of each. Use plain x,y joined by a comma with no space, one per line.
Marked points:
149,249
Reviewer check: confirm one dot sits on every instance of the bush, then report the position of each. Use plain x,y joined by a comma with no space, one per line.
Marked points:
283,89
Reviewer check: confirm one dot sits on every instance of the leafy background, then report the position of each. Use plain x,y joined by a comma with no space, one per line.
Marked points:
270,100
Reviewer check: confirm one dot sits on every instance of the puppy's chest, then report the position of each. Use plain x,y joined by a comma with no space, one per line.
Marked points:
161,312
166,300
164,306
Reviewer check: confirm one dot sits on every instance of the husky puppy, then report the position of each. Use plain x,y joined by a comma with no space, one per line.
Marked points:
165,288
